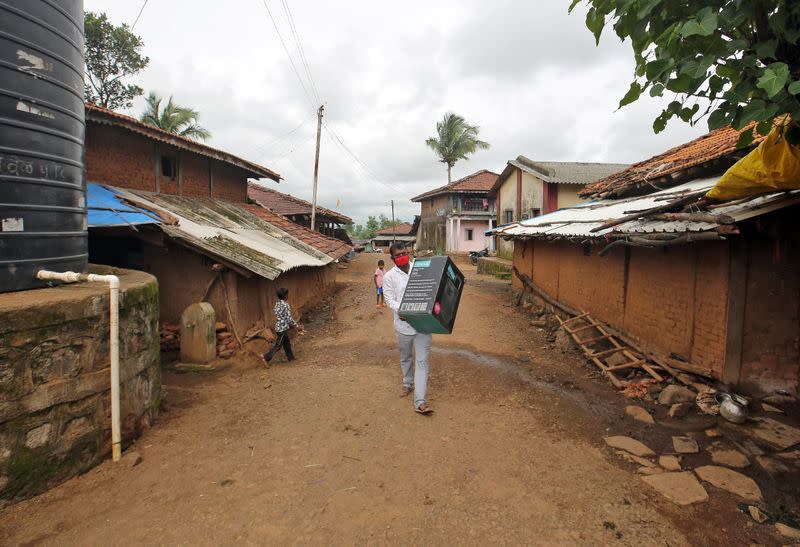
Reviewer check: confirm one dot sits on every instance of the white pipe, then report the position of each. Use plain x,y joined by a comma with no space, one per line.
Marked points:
113,341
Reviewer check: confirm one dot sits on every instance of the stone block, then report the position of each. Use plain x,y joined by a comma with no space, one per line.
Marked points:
198,334
38,436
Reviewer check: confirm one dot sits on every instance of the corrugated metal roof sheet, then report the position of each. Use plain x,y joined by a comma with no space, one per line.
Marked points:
578,222
106,209
227,231
335,248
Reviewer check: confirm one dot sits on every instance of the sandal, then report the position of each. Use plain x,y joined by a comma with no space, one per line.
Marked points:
406,390
423,408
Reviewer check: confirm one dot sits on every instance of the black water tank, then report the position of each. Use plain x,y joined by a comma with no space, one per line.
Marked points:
42,123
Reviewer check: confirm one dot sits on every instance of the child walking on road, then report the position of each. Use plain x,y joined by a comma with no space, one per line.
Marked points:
283,322
379,285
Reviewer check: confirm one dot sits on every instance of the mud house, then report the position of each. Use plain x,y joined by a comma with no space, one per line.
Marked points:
526,189
454,217
196,232
328,221
405,232
713,287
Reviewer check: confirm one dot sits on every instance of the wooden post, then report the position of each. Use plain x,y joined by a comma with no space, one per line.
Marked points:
734,328
316,168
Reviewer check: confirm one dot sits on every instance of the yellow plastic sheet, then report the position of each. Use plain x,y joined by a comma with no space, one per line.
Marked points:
774,165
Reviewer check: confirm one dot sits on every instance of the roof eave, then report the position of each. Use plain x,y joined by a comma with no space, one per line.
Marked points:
93,114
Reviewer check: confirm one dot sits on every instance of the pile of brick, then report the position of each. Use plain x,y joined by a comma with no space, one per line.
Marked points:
170,337
226,342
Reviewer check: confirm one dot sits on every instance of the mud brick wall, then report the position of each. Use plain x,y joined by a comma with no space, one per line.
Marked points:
606,293
186,277
122,158
195,179
673,300
771,332
55,413
230,183
680,300
119,158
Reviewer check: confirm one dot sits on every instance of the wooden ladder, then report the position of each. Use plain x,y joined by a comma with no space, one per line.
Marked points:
599,345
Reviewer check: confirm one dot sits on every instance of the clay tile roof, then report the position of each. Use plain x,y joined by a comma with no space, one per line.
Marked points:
332,247
284,204
476,183
98,114
403,229
715,150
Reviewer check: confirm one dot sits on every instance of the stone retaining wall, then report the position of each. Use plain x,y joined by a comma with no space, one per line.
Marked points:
54,378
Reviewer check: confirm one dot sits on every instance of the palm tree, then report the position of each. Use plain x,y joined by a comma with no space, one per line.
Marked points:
173,118
456,140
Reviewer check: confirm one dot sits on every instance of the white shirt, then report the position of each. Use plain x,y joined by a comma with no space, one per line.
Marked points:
394,286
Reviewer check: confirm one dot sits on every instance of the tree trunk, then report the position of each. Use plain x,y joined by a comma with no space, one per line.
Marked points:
448,173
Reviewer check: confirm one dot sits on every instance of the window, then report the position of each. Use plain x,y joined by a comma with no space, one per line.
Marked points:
535,213
508,216
168,167
469,234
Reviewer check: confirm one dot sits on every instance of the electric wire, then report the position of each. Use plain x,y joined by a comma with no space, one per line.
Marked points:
338,140
259,150
139,15
364,171
300,50
291,61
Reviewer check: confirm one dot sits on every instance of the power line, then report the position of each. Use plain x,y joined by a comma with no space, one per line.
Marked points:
300,49
370,174
358,161
291,61
260,150
140,14
291,151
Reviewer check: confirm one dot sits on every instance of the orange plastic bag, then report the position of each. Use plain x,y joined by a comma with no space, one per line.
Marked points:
774,165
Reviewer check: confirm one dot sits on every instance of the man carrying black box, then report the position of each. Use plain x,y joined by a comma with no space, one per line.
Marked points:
412,344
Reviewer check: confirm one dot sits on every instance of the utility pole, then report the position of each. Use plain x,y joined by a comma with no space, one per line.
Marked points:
393,236
316,169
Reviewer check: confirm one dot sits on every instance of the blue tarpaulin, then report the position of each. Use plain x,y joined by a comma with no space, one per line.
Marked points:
105,209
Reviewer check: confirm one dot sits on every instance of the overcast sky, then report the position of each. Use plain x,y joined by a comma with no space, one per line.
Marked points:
527,73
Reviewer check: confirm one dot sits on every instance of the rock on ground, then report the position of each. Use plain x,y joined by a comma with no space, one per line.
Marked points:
728,457
758,515
679,410
680,488
769,408
685,445
629,444
639,414
771,465
732,481
673,394
787,531
644,462
670,463
775,433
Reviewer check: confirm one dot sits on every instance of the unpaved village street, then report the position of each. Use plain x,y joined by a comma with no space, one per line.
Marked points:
324,451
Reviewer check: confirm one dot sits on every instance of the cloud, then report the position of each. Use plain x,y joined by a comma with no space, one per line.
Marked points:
527,73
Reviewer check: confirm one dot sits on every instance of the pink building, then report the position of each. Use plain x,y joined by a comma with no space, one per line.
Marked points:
455,217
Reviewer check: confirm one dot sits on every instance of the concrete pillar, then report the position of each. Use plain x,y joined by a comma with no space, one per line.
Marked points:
457,234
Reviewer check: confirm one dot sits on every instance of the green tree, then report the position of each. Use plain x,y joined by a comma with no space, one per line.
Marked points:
455,140
173,118
112,54
737,61
372,226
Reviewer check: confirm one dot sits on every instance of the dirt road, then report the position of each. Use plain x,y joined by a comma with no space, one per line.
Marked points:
324,451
